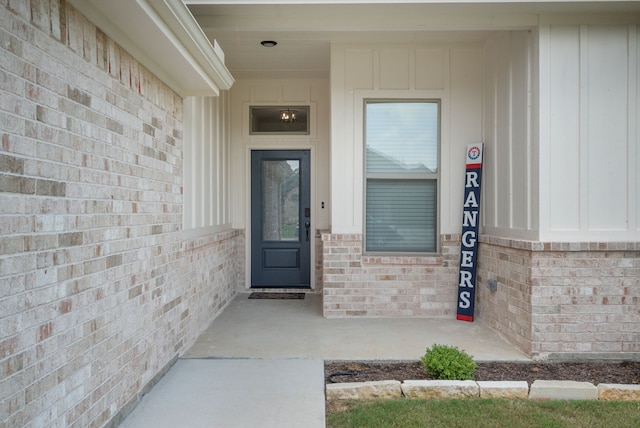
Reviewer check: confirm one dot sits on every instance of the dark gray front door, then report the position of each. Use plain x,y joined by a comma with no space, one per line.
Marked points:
280,218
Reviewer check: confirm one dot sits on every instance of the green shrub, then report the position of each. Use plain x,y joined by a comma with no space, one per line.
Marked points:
448,363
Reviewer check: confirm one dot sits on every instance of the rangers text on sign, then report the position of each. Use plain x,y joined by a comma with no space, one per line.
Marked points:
470,225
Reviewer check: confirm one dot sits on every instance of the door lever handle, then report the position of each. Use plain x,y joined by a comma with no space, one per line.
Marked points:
307,225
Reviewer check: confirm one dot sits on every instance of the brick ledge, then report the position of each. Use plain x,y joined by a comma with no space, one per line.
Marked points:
402,260
526,245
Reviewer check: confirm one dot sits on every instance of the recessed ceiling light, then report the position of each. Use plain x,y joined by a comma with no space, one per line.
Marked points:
268,43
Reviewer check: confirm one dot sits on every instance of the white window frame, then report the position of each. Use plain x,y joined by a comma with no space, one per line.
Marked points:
397,176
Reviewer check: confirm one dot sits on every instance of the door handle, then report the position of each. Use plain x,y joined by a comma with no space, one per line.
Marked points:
307,225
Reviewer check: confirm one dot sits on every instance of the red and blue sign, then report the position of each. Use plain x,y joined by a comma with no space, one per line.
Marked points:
470,226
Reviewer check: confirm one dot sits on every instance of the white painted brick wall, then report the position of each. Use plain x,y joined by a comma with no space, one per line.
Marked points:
98,291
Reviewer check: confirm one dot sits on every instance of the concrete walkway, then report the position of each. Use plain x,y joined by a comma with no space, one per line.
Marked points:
260,363
235,393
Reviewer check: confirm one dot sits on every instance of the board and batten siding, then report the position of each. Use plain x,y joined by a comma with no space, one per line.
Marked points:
449,73
207,206
589,110
279,92
509,205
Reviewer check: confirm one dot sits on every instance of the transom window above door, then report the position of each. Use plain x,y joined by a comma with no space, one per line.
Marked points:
265,120
401,175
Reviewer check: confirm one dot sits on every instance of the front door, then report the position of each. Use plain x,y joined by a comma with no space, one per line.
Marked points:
280,219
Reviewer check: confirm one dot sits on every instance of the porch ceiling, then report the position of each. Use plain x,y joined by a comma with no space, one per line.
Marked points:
305,30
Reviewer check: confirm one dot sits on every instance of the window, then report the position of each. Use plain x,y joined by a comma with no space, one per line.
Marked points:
401,175
265,120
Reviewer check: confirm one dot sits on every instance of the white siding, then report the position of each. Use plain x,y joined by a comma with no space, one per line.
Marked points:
206,165
564,162
449,73
465,128
589,115
278,92
509,173
275,92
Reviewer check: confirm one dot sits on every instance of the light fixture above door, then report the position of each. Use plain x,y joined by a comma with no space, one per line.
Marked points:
288,115
284,120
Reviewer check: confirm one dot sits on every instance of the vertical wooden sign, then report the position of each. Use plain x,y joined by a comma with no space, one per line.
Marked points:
470,225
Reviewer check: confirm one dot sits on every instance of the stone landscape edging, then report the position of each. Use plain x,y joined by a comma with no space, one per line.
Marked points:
540,389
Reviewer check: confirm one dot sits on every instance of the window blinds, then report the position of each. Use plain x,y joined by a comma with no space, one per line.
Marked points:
401,169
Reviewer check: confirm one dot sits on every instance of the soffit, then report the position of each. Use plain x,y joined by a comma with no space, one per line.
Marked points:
305,30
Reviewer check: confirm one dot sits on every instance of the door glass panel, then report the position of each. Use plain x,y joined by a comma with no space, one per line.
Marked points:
281,202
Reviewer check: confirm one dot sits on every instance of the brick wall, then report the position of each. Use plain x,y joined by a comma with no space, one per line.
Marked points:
375,286
318,263
98,292
508,309
557,300
553,300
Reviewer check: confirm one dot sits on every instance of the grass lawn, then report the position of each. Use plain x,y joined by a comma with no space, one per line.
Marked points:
494,413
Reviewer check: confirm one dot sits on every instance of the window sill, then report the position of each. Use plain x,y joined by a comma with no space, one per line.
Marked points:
405,260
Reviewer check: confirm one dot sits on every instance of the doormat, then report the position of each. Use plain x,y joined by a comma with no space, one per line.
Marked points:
279,296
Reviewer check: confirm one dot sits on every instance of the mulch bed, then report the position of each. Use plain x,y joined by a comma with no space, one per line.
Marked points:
627,372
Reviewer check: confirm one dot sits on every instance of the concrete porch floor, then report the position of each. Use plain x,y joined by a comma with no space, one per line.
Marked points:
261,363
296,329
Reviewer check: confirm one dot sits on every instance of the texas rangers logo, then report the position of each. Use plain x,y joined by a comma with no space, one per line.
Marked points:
473,153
